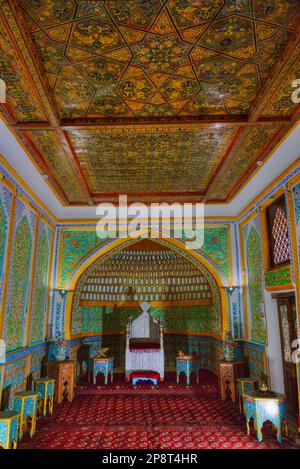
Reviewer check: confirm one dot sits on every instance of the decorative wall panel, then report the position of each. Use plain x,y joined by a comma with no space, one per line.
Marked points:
75,244
92,319
216,245
5,209
178,319
256,360
40,287
19,280
14,381
37,362
281,277
19,374
1,382
253,254
3,233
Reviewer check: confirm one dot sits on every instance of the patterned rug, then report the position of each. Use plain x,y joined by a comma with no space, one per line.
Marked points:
208,437
180,417
147,410
207,385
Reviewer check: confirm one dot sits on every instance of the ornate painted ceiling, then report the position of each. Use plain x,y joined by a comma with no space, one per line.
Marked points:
158,99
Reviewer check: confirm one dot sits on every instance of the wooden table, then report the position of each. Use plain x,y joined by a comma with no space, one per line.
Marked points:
261,409
187,365
9,429
245,385
45,387
103,365
25,403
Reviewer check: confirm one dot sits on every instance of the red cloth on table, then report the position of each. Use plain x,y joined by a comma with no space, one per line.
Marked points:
145,374
144,346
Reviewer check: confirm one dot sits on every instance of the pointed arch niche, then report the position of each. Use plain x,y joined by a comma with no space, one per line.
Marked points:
88,315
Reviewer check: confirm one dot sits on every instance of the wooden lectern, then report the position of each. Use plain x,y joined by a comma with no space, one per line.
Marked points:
64,375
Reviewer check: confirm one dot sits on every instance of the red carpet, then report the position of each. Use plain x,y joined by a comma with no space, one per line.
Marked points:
146,418
147,410
208,437
207,385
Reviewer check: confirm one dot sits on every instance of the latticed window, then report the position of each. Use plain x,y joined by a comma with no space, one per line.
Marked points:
278,233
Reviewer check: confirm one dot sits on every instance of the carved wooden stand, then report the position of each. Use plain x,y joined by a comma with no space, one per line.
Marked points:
229,372
64,375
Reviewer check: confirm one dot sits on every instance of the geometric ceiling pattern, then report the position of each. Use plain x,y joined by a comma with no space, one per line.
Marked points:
149,58
154,98
141,155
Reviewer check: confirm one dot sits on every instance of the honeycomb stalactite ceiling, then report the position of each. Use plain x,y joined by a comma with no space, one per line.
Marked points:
143,272
157,98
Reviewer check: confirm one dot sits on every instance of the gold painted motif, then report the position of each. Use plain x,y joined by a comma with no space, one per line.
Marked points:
158,161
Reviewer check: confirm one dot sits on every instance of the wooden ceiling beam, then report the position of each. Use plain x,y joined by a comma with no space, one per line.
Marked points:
165,122
161,124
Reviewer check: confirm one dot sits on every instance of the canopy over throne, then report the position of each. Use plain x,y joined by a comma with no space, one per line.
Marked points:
144,344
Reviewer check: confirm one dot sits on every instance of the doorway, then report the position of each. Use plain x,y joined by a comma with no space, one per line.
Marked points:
287,317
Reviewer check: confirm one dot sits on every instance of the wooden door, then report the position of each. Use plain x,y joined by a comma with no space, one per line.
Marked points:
288,331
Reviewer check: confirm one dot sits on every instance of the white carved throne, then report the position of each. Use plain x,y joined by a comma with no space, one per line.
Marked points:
144,344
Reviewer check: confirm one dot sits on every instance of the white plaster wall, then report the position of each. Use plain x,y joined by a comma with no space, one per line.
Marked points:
274,345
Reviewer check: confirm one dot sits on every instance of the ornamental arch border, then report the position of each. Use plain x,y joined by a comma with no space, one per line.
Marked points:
201,260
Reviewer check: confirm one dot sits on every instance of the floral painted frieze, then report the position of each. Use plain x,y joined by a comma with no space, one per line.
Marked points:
281,277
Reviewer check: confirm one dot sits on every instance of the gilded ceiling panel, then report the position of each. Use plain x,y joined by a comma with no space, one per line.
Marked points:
280,102
48,145
21,97
151,161
250,147
116,47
